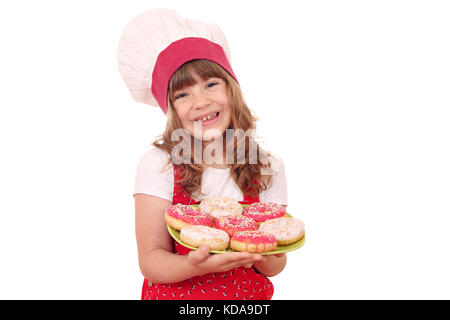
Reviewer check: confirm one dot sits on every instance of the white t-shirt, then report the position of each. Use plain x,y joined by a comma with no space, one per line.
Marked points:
154,176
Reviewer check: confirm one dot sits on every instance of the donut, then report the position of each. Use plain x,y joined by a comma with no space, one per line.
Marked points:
253,241
262,211
286,230
197,235
179,216
231,224
219,207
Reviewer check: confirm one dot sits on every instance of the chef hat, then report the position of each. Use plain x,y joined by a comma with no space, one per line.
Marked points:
156,43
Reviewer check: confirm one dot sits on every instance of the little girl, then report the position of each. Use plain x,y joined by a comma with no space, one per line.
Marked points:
183,66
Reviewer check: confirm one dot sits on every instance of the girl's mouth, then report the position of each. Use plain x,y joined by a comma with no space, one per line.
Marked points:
208,119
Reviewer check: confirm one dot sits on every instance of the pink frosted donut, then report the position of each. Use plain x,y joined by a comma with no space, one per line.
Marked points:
231,224
219,207
179,216
262,211
285,230
253,241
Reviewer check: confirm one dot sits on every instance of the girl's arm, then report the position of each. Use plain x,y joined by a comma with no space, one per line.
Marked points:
153,241
156,260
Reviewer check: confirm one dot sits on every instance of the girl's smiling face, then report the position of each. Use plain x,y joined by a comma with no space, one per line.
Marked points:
203,105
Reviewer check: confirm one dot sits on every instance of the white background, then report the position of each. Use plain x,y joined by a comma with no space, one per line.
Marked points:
353,95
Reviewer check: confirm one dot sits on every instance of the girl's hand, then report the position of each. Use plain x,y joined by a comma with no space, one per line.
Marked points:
264,259
272,265
207,263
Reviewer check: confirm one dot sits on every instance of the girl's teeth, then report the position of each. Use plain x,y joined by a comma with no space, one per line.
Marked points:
208,117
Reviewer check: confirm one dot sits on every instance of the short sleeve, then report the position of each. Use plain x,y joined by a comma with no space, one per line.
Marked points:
278,191
154,175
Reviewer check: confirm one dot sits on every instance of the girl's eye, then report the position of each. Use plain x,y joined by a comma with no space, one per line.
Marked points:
181,95
212,84
209,85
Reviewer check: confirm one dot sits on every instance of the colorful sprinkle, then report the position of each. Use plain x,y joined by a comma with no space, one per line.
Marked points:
190,215
262,211
231,224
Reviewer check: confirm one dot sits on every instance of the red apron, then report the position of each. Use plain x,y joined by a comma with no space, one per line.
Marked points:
236,284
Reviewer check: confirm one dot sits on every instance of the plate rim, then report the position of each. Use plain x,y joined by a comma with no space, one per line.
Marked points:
300,242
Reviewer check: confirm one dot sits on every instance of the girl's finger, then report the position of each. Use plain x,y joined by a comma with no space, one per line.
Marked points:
259,258
237,257
247,263
196,257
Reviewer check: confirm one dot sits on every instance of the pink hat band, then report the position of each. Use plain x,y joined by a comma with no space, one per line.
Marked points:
178,53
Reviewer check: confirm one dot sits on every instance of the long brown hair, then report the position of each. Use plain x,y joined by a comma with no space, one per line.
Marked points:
247,175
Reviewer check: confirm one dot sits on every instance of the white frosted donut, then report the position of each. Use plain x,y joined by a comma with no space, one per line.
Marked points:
219,207
197,235
286,230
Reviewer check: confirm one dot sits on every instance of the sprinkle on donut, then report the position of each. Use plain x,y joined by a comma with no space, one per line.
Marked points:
262,211
253,241
197,235
223,223
286,230
232,224
219,207
179,215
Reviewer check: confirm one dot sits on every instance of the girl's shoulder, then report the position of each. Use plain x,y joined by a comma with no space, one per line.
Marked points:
154,174
155,153
156,158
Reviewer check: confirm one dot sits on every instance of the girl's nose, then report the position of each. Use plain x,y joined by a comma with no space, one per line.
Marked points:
200,100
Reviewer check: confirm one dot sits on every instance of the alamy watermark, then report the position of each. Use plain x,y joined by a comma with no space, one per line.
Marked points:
213,153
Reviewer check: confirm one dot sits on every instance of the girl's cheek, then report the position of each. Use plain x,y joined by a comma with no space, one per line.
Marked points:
182,114
185,122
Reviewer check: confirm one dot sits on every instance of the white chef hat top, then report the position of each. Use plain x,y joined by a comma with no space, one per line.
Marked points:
156,43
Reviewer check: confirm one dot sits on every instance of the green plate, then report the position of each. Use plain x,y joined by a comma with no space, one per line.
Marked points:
280,249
